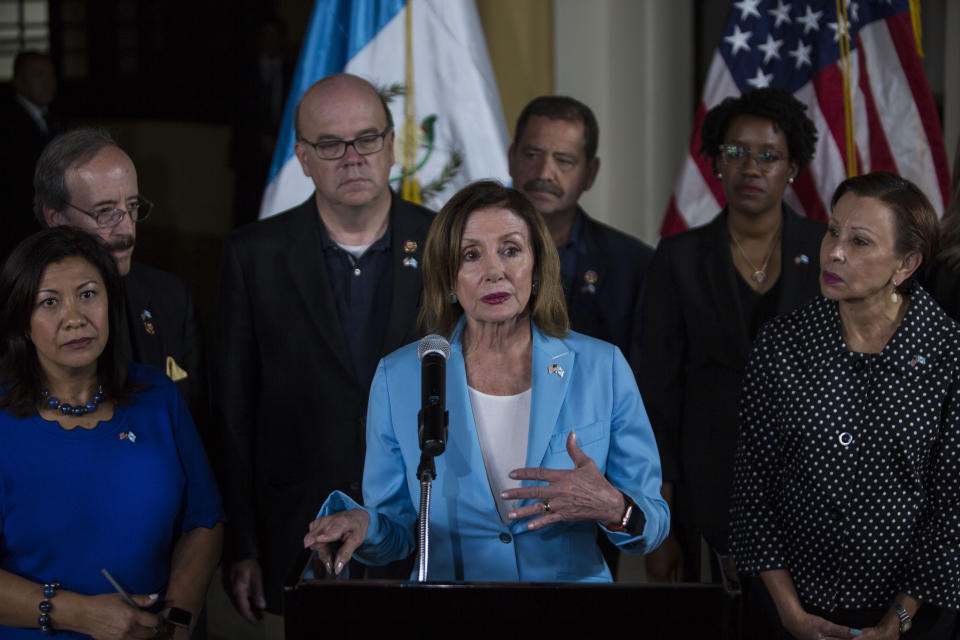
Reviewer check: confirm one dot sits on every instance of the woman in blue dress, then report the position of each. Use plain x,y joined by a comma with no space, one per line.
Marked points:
100,466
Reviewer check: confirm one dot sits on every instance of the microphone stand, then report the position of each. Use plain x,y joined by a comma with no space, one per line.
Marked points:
427,473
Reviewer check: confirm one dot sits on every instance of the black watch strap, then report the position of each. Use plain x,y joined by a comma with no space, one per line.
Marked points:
177,616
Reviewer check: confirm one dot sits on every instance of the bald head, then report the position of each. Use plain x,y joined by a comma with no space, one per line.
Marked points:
336,84
344,108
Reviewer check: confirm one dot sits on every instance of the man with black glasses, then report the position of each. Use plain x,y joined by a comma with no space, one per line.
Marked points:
83,179
309,301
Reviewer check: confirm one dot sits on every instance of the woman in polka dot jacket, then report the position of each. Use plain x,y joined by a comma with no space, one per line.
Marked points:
846,497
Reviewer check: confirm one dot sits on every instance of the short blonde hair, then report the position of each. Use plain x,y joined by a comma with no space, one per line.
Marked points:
441,260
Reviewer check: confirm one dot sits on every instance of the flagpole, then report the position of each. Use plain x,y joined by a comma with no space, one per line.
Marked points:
410,187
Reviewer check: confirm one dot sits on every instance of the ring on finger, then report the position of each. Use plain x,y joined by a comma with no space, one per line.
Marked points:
546,506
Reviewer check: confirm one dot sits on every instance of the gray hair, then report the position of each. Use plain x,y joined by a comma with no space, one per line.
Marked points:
67,151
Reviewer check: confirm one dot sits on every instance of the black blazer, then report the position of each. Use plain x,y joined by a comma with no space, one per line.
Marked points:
288,405
692,353
165,333
610,309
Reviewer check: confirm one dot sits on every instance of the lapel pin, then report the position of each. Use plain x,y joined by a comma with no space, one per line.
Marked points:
128,435
147,319
410,261
915,360
555,368
590,277
409,246
801,259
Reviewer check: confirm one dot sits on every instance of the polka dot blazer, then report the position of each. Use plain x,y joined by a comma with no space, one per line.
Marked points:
846,472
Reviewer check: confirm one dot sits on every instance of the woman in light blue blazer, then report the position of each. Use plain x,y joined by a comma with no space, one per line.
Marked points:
548,437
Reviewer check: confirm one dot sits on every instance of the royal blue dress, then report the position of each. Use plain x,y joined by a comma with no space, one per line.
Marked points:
114,497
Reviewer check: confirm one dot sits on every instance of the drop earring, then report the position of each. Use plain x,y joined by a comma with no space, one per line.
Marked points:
453,298
894,297
533,287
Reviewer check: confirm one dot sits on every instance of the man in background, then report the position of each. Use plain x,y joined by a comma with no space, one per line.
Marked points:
553,161
27,128
309,301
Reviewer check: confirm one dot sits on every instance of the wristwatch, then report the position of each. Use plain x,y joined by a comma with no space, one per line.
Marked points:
905,620
177,616
632,520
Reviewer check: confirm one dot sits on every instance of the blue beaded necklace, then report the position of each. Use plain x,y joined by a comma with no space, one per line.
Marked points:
66,409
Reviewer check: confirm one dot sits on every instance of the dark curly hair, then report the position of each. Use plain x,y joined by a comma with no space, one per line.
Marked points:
772,103
20,370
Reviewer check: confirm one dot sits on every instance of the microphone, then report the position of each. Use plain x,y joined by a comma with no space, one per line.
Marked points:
433,351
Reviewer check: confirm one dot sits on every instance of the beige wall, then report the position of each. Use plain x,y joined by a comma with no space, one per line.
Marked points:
632,62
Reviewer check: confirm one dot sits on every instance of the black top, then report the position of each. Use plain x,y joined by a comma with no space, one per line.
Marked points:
568,253
847,471
942,280
756,307
361,287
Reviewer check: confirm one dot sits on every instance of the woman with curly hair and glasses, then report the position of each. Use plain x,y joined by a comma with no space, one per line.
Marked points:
708,291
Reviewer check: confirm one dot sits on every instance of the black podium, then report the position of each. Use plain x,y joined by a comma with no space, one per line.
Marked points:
388,609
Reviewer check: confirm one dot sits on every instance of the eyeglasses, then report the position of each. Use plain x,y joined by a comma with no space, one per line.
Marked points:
336,149
734,155
107,216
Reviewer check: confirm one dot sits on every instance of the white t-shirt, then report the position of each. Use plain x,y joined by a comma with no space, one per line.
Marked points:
503,426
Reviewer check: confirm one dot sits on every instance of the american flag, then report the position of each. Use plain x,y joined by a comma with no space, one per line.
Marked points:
796,45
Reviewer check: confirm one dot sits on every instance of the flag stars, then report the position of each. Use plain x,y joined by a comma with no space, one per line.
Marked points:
801,54
838,30
738,39
781,14
760,80
770,49
810,20
853,11
747,8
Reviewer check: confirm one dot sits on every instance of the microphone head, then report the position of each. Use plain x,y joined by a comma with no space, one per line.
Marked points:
433,344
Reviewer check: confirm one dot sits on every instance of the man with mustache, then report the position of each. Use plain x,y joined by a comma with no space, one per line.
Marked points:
83,179
309,301
553,160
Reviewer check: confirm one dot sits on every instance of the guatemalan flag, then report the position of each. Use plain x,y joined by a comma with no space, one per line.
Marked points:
796,45
462,135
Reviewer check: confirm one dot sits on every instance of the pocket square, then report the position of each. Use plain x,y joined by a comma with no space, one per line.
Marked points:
174,371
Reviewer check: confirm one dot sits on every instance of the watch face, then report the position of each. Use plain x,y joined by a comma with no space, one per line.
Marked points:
179,617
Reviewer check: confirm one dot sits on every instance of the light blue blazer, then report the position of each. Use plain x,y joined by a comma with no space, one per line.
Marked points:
596,395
